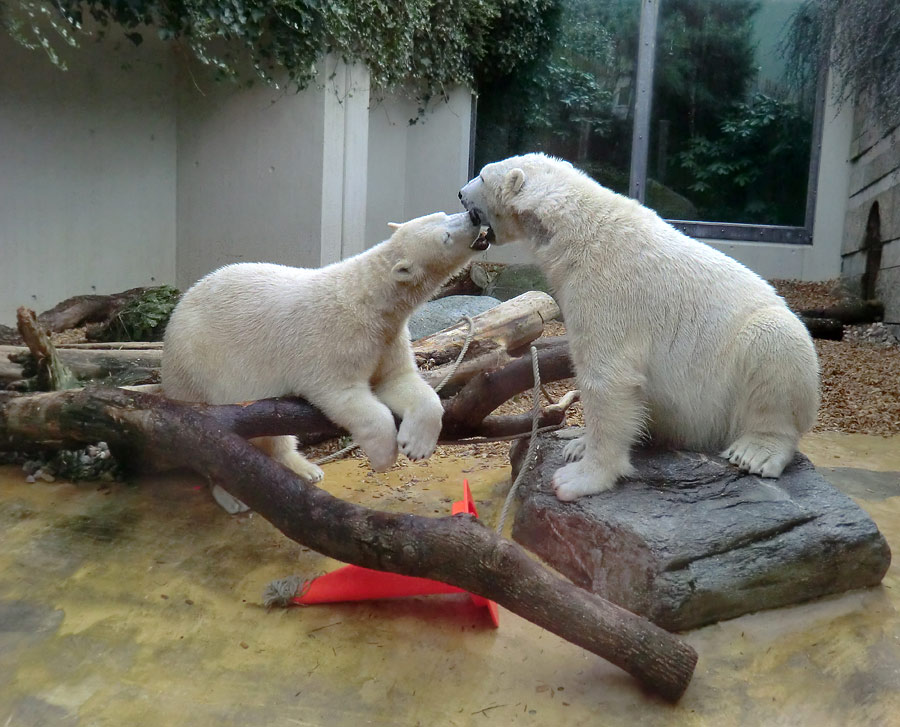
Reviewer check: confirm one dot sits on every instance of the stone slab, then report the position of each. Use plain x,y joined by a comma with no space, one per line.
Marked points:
514,280
436,315
691,540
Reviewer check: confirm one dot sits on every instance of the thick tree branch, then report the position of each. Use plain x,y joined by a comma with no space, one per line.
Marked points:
489,389
456,550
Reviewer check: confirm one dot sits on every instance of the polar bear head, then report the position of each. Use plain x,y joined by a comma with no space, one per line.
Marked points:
509,195
427,250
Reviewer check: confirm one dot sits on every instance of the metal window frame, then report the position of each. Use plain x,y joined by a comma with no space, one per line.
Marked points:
640,146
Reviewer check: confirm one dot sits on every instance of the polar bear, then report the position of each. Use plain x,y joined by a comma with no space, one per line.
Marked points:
336,336
669,337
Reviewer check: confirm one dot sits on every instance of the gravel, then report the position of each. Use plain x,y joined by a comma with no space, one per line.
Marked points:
860,374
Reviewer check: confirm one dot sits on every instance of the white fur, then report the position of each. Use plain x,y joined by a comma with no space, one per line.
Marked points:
336,336
669,337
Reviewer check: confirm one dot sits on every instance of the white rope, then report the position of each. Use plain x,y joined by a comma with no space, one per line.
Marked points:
462,352
532,445
341,453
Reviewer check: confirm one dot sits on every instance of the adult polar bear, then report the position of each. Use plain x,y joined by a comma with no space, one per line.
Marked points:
336,336
668,335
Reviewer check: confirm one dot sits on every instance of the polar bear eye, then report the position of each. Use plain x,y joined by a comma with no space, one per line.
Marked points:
446,237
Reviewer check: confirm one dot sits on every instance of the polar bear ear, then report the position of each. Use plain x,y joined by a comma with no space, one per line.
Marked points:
402,271
394,225
514,180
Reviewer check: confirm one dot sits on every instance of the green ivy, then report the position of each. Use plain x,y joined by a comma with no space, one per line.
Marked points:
860,41
144,318
426,46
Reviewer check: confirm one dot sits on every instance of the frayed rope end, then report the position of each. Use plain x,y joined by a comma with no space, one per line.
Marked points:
282,592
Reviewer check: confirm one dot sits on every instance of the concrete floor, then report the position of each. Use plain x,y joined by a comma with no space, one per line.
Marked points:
140,604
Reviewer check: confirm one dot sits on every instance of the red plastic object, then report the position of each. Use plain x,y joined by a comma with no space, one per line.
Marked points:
352,583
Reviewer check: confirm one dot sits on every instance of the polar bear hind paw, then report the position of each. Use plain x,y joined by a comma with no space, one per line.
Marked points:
310,472
578,479
765,455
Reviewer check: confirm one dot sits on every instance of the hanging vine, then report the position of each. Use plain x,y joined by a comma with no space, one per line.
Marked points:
426,46
860,39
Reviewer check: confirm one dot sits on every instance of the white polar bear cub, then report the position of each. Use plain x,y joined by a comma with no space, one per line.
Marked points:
668,336
336,336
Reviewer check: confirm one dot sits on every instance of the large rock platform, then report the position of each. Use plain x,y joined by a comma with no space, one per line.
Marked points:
691,540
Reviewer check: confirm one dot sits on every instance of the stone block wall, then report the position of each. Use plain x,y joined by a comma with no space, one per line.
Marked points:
871,246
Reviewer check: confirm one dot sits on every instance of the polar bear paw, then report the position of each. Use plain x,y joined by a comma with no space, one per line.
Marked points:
574,449
382,454
581,478
303,467
765,455
418,436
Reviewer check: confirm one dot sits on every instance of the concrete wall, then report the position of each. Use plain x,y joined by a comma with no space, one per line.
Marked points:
250,167
87,172
135,168
415,169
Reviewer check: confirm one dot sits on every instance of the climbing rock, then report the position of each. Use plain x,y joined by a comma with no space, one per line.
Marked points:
436,315
691,540
514,280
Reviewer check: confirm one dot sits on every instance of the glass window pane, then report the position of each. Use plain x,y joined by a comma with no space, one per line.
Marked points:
730,139
575,101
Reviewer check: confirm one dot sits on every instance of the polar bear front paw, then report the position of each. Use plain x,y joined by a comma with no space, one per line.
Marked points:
574,449
419,432
581,478
417,441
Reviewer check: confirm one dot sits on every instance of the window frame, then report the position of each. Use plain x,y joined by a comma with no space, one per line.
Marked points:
640,146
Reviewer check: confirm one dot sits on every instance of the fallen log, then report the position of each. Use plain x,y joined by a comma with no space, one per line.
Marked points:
81,309
114,346
510,326
52,373
489,389
829,329
131,365
457,550
849,312
465,282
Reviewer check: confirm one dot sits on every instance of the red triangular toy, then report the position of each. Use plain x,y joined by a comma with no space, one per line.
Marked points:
352,583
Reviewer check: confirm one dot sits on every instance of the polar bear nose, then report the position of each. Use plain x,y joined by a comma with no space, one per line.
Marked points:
459,194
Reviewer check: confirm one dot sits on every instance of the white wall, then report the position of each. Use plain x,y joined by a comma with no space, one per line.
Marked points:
135,168
260,174
415,169
87,173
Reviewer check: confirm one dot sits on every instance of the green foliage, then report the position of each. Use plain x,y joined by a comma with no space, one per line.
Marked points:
728,156
704,62
144,318
860,40
426,45
565,99
752,169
